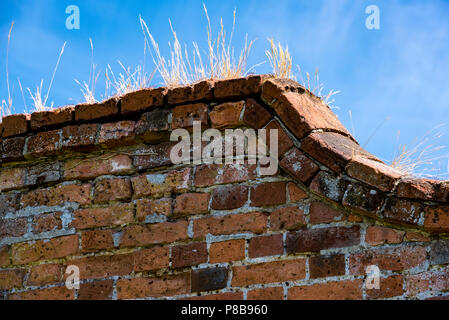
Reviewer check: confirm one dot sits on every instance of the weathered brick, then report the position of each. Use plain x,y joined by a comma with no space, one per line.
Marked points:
98,110
45,119
45,274
241,87
116,134
226,251
94,240
189,255
283,142
166,232
396,259
402,211
53,293
435,280
271,293
158,184
79,138
255,222
389,287
363,198
298,165
103,217
191,204
15,124
103,266
268,272
336,290
151,259
289,218
416,236
4,256
226,115
255,116
266,246
57,195
183,116
437,218
313,240
210,174
153,126
329,186
9,202
99,290
327,266
44,143
12,149
147,207
295,193
114,189
47,222
153,156
209,279
323,213
11,279
424,189
43,173
268,193
218,296
153,287
195,92
229,197
377,235
12,178
142,99
44,249
439,252
84,169
13,227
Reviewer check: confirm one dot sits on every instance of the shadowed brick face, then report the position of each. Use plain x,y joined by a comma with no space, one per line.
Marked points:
93,185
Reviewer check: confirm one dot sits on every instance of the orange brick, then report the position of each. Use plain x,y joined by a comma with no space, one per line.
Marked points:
99,290
12,178
268,272
183,116
47,222
98,166
103,266
103,217
114,189
151,259
146,207
226,251
45,274
53,293
153,287
389,287
189,255
166,232
158,184
218,296
338,290
93,240
376,235
295,193
273,293
290,218
4,256
210,174
191,203
226,115
57,195
11,279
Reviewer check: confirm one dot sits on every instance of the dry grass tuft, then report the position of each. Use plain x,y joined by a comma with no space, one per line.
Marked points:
6,106
88,88
280,60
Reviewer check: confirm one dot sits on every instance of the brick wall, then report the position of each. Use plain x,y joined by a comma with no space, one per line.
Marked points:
93,186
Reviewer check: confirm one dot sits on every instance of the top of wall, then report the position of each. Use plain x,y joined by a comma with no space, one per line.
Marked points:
324,156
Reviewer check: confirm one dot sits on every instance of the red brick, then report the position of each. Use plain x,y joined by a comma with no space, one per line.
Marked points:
373,173
151,259
96,110
153,156
189,255
402,211
47,222
15,124
142,99
12,178
44,249
53,293
114,189
43,173
80,137
4,256
190,93
103,217
44,143
57,195
424,189
396,259
313,240
183,116
255,116
116,134
284,143
45,274
13,227
323,213
98,166
389,287
289,218
337,290
415,236
226,115
208,279
274,87
191,204
329,185
229,197
432,281
298,165
272,293
58,116
327,266
240,87
103,266
218,296
12,149
332,149
226,251
9,202
153,126
147,207
268,272
295,193
266,246
437,219
210,174
269,193
94,240
166,232
99,290
170,285
255,222
159,184
376,235
11,279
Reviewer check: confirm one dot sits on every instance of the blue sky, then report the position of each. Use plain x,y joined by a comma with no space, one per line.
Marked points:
400,72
